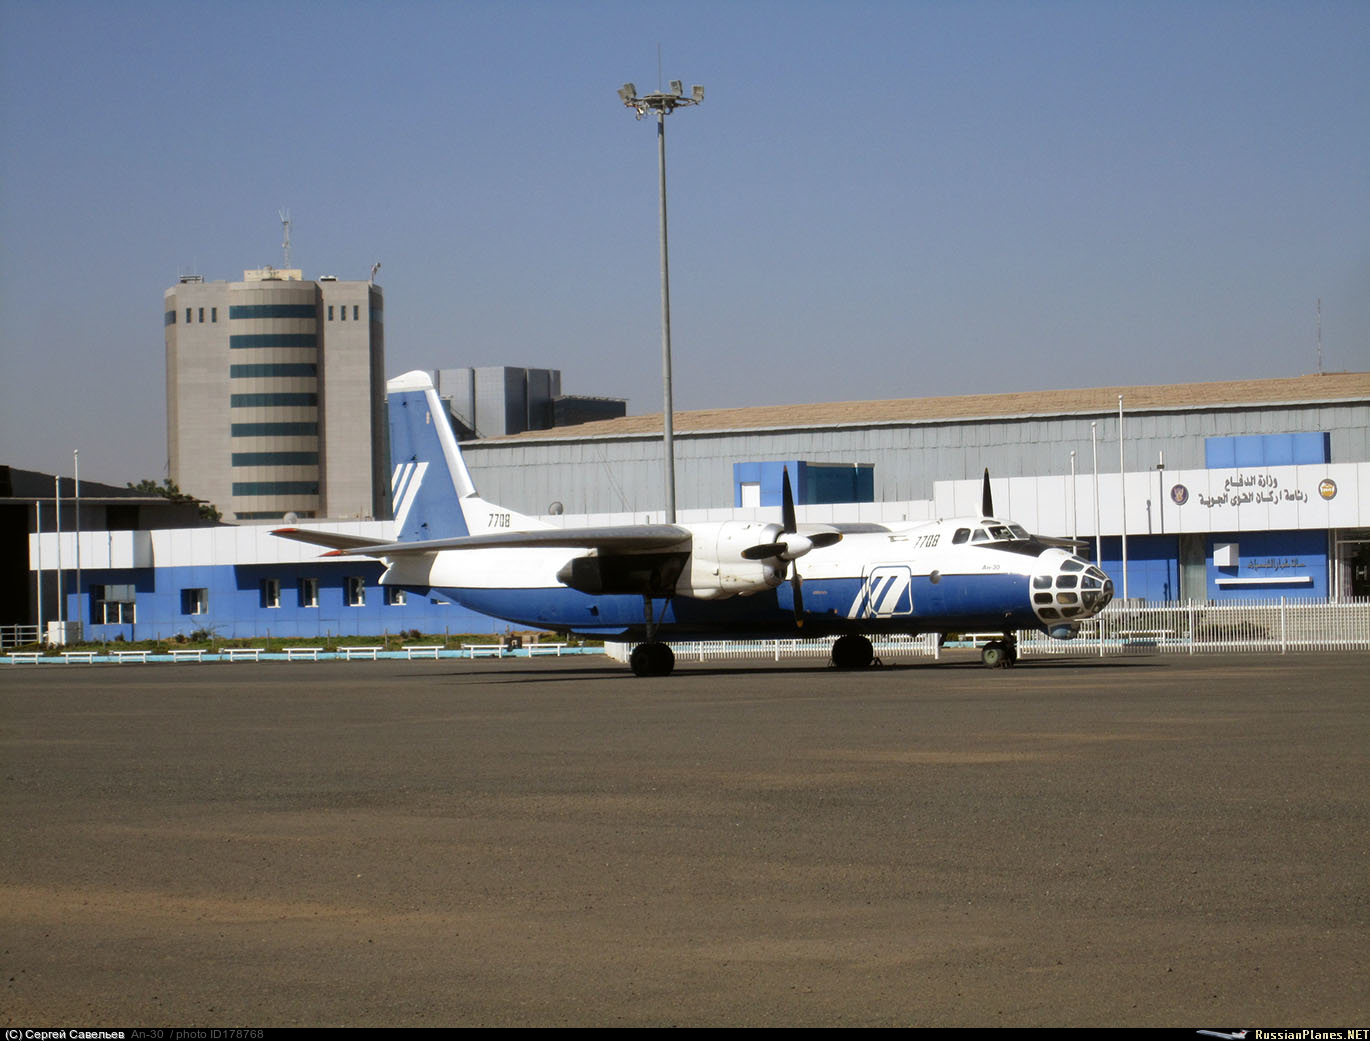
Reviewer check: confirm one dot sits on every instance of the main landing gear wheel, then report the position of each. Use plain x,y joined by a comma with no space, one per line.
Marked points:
652,659
999,654
852,652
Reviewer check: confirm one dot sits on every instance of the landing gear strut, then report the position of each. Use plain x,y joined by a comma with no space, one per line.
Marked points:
852,652
1000,654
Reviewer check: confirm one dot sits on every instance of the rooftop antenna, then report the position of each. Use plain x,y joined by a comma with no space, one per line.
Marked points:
1319,336
285,246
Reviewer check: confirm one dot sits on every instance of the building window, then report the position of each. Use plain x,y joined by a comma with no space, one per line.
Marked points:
113,605
187,316
394,596
330,312
342,311
271,592
249,341
213,315
273,400
275,458
309,592
355,310
276,488
274,370
194,601
272,311
202,316
355,587
274,429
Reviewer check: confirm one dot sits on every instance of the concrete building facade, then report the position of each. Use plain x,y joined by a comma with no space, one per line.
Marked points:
275,393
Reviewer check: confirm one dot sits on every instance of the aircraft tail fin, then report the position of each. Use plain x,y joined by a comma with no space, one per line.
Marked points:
432,491
429,479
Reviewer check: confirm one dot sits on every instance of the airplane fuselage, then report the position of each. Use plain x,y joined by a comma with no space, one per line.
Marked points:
967,574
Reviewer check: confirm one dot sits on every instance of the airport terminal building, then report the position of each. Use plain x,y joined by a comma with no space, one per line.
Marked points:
1253,489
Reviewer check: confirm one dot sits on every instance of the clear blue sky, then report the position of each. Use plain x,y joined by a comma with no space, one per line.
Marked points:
876,199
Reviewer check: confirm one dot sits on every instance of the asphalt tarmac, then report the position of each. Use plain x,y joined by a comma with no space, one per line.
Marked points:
1158,841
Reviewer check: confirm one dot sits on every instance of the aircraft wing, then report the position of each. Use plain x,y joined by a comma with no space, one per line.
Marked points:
1060,542
627,538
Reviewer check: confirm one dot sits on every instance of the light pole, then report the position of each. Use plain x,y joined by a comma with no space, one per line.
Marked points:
663,103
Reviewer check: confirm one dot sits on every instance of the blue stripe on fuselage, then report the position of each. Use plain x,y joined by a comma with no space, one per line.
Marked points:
957,602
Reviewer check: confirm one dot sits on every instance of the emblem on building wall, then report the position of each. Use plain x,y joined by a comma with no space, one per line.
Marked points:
1179,495
1327,488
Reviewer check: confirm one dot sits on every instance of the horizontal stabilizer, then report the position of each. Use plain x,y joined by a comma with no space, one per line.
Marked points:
341,544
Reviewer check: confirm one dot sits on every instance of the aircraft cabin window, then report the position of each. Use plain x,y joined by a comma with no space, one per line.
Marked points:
1041,582
1072,565
962,535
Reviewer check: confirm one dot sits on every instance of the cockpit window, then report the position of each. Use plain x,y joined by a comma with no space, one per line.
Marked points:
1071,565
962,535
979,536
1019,532
999,533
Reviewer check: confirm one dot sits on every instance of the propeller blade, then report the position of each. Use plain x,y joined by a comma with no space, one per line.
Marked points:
764,551
820,539
787,505
986,499
797,587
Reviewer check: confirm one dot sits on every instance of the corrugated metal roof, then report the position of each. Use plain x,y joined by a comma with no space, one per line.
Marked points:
1337,387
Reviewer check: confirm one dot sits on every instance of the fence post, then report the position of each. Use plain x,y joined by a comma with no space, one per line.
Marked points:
1191,625
1282,639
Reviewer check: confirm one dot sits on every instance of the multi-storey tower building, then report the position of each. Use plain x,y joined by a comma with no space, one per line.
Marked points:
276,395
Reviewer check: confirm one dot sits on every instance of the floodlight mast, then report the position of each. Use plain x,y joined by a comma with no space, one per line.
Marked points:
663,103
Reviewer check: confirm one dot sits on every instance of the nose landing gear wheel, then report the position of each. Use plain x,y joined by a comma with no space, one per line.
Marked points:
999,654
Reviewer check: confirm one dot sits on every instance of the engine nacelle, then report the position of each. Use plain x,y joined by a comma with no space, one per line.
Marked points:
717,568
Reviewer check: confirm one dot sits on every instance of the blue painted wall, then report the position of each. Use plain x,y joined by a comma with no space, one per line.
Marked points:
1153,567
1153,570
812,483
236,608
1271,555
1260,450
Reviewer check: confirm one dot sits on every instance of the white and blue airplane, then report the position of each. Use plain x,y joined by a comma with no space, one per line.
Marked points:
738,579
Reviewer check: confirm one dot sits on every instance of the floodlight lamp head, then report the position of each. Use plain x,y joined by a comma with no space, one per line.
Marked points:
697,92
677,88
627,92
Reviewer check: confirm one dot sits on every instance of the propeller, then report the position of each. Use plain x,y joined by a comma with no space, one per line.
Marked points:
793,546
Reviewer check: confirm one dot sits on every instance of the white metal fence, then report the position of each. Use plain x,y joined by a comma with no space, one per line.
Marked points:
18,635
1282,626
